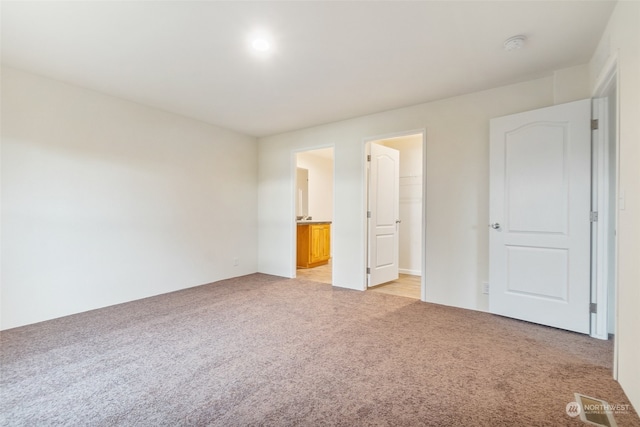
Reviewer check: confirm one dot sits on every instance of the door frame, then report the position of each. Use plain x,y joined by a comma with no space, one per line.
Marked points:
292,216
365,194
606,82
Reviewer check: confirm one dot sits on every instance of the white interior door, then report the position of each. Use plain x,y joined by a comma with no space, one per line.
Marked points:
384,208
540,189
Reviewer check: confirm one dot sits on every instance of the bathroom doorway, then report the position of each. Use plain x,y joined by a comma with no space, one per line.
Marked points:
314,195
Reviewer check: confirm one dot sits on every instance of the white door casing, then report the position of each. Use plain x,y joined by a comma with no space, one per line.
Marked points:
384,207
540,192
599,236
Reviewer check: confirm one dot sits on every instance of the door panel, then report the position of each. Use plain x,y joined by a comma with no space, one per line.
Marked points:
384,205
525,277
536,177
316,243
540,197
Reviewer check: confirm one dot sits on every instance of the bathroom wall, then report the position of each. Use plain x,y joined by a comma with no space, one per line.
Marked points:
320,166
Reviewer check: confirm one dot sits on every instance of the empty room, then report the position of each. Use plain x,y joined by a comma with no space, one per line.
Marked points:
233,213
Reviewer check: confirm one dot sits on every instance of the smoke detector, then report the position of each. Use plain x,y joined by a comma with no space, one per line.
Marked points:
514,43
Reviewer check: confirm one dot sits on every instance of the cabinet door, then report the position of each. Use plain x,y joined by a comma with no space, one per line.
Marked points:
303,246
316,243
326,242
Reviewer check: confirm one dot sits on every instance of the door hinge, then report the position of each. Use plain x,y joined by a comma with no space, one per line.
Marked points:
368,157
594,124
368,270
593,216
593,308
368,214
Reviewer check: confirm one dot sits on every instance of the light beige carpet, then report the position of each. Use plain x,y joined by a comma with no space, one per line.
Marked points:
262,350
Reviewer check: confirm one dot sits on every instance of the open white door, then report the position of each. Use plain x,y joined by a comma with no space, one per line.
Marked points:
540,189
384,208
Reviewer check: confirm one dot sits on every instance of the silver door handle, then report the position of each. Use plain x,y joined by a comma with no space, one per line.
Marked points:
398,221
495,225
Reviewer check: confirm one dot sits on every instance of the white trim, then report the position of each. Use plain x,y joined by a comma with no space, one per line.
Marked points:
292,217
607,77
599,231
608,72
409,272
366,147
423,280
423,246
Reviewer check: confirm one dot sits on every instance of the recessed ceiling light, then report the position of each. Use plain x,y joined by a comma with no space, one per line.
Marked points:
261,44
514,43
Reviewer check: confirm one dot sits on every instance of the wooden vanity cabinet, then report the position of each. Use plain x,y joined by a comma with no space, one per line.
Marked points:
314,244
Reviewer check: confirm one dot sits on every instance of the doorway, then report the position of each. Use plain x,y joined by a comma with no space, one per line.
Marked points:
314,192
576,291
539,236
405,223
605,202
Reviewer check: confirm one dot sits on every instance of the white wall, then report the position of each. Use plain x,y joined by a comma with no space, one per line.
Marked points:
457,180
106,201
410,236
320,184
621,40
571,84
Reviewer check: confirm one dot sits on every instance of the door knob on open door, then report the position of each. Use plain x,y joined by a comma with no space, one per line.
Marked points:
495,225
398,221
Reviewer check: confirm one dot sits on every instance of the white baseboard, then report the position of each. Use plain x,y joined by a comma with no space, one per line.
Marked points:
411,272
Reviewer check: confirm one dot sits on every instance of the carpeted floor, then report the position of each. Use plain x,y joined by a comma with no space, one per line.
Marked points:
262,350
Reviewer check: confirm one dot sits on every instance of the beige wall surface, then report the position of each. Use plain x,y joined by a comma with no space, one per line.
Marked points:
620,44
457,188
106,201
320,184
